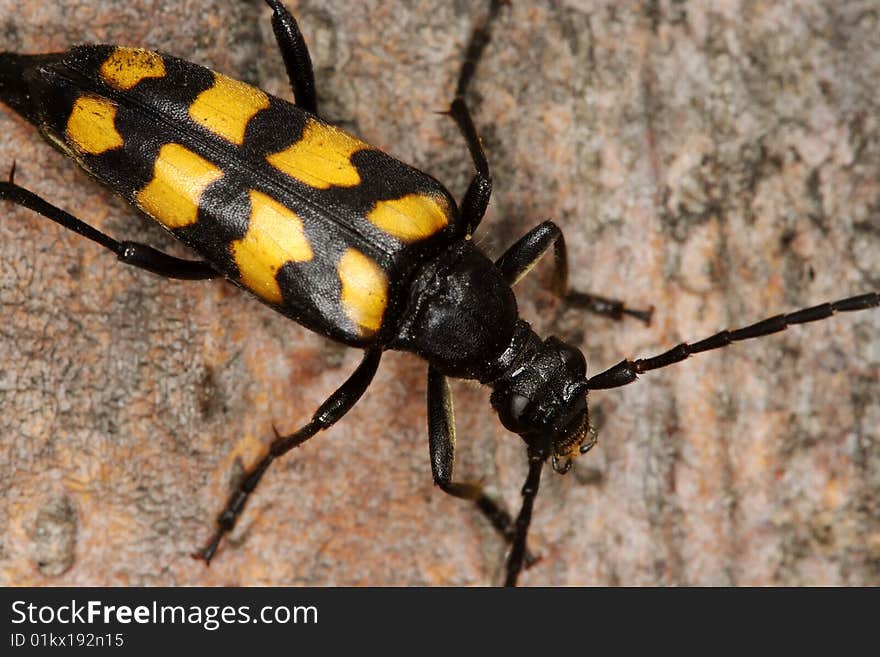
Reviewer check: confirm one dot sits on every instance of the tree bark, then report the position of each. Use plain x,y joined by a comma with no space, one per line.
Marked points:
718,161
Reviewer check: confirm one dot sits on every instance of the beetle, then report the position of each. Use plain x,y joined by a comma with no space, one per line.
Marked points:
561,465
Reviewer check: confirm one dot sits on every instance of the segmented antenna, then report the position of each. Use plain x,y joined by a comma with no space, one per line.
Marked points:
627,371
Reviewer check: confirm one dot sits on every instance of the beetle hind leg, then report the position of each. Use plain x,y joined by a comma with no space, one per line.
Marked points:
131,253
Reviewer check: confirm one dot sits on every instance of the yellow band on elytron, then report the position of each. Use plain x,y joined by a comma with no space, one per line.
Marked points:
321,158
274,237
125,67
91,127
410,218
179,179
364,290
227,107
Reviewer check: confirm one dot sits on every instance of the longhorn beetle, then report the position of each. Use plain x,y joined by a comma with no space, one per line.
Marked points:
339,237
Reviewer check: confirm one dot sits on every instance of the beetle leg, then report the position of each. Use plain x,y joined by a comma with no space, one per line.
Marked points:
330,412
518,553
480,38
296,57
522,256
441,442
131,253
476,199
519,259
609,307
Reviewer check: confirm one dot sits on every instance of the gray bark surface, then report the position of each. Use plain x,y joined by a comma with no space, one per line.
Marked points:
720,161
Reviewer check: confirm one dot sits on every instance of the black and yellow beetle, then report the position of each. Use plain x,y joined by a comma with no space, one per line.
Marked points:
334,234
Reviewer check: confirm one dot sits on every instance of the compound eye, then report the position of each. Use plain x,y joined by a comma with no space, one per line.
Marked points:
512,413
574,360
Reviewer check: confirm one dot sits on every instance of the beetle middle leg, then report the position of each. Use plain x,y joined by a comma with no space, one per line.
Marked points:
519,259
296,57
476,199
522,256
330,412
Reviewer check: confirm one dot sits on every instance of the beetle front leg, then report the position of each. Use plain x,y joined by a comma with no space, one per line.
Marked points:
519,555
519,259
441,442
135,254
296,57
330,412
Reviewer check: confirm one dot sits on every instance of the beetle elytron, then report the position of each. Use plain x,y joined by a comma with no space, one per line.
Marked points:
338,236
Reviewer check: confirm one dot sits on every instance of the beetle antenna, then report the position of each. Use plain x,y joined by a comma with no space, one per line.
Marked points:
627,371
524,519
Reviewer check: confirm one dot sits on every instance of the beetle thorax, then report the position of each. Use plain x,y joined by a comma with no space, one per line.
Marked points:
460,314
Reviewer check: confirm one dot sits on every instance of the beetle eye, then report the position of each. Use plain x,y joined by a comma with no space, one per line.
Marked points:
511,413
573,360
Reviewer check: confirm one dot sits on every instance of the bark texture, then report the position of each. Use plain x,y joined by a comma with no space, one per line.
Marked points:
719,160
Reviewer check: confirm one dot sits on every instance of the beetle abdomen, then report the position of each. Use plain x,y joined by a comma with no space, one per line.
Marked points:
310,219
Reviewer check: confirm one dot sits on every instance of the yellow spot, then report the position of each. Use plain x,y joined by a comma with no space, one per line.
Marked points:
274,236
179,179
364,290
410,218
125,67
91,127
226,108
321,158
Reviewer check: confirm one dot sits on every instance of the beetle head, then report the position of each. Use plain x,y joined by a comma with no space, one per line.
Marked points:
544,400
